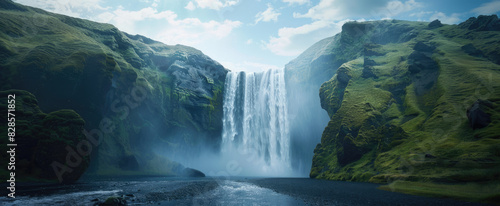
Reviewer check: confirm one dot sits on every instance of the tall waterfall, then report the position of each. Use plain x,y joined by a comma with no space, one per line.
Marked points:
255,123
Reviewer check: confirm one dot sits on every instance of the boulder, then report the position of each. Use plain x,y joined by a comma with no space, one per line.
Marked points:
114,201
477,114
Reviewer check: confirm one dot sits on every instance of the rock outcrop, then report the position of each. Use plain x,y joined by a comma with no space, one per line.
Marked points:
479,114
435,24
482,23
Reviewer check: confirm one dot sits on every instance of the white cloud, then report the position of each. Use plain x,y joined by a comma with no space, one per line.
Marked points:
394,8
188,31
215,4
421,14
300,2
334,10
155,3
452,19
249,41
268,15
190,6
488,8
81,9
293,41
248,66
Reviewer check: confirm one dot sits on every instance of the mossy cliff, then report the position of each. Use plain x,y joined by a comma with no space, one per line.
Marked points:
140,96
413,101
42,139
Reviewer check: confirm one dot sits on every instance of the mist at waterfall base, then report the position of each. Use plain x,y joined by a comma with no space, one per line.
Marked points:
266,131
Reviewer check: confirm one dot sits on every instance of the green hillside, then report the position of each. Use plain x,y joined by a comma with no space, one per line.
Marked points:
144,98
415,104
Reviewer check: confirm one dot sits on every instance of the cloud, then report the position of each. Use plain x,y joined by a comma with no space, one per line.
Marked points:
81,9
190,6
155,3
249,41
248,66
215,4
268,15
452,19
421,14
394,8
300,2
293,41
334,10
488,8
188,31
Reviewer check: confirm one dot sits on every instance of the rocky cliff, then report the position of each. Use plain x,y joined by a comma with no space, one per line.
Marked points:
140,98
412,101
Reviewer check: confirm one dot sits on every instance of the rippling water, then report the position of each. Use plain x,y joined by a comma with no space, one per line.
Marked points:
157,191
240,193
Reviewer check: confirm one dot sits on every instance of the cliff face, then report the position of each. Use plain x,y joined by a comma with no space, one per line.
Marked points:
415,101
140,96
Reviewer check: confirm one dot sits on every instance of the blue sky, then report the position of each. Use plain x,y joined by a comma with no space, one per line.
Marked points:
255,35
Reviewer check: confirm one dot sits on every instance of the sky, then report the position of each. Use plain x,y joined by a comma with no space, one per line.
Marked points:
256,35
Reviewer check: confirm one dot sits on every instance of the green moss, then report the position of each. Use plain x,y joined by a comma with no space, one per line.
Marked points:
384,130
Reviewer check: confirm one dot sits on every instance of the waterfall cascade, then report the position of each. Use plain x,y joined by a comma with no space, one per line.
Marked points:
255,123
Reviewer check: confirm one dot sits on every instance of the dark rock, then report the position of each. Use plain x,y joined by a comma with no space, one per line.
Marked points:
430,156
422,47
419,61
190,172
344,74
472,50
368,68
114,201
95,200
369,62
130,195
424,71
477,115
368,72
356,29
482,23
371,49
435,24
393,33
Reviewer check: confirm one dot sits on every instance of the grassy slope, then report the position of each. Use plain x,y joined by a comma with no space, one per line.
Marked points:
74,63
396,135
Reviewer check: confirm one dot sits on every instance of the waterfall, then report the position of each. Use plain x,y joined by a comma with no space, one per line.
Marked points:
255,122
